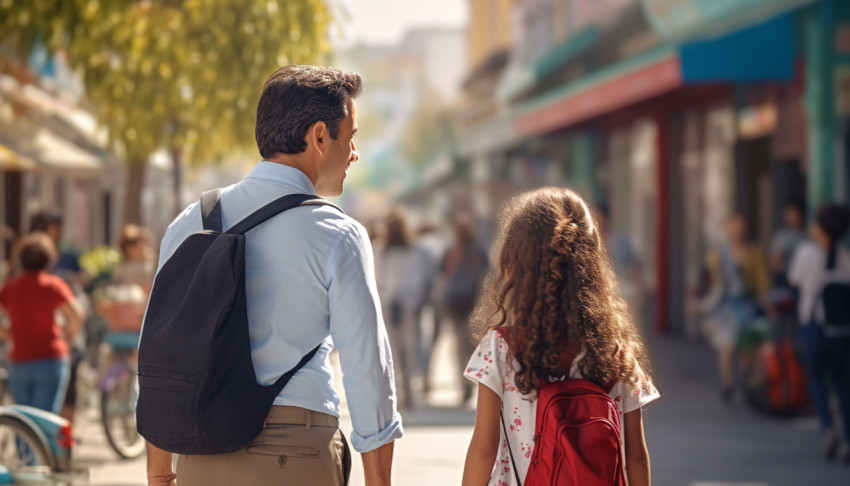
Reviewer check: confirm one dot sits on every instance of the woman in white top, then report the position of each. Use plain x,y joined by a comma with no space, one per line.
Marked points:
552,312
826,357
405,273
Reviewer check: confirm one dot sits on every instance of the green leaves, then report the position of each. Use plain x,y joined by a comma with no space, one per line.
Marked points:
185,73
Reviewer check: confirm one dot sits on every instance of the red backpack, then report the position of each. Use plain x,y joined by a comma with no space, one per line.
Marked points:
576,438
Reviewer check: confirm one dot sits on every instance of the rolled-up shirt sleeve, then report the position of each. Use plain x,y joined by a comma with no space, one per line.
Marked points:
358,332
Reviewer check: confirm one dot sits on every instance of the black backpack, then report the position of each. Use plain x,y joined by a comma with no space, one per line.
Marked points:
198,393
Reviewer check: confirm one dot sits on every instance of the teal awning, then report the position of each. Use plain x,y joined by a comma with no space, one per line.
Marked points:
519,80
562,53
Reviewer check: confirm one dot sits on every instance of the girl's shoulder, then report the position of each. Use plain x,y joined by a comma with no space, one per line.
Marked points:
495,340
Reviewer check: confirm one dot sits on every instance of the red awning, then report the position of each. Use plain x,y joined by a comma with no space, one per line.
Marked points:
618,86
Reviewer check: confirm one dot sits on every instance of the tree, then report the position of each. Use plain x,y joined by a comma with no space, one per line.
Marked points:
184,74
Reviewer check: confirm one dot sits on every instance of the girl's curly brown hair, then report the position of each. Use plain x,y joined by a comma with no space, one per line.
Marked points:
554,290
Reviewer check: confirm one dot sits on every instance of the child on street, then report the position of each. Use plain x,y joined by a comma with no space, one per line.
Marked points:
551,312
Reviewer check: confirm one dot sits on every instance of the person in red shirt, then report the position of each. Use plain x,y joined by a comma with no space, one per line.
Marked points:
38,375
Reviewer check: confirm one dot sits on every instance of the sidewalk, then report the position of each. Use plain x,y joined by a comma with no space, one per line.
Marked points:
694,440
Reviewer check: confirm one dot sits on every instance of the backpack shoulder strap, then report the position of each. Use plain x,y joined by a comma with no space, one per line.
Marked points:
510,452
211,210
276,207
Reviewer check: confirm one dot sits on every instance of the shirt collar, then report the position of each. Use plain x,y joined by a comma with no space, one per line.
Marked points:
284,175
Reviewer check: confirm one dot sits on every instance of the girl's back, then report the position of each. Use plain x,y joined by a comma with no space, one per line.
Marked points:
551,311
489,366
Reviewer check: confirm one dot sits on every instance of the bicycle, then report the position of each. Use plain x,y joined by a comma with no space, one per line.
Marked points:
119,392
32,437
117,383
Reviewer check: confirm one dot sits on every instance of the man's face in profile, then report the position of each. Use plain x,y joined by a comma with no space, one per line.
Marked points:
339,156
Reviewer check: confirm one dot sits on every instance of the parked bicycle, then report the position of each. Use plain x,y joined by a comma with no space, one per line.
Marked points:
32,437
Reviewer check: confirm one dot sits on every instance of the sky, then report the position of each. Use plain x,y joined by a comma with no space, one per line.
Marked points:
386,21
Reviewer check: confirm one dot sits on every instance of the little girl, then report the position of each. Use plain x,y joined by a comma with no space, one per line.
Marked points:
551,311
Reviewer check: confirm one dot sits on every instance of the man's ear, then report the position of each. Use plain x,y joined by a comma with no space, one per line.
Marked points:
318,137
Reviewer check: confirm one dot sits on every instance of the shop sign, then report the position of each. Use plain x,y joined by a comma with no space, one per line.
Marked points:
757,121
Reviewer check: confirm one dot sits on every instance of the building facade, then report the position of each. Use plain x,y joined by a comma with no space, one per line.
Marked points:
674,114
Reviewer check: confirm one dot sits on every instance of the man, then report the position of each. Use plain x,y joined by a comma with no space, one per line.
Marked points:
786,240
309,276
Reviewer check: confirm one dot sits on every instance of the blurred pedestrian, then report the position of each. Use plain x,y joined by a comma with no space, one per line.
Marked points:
826,356
782,246
462,270
9,238
67,264
123,299
736,292
433,242
549,316
67,267
138,265
786,240
626,263
39,370
405,273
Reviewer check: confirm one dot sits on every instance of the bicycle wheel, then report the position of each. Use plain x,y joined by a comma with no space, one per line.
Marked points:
118,414
20,446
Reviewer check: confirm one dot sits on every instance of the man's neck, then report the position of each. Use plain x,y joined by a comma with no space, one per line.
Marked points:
296,161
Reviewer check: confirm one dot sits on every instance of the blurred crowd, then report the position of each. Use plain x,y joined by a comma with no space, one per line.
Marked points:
428,280
773,324
56,306
430,277
755,306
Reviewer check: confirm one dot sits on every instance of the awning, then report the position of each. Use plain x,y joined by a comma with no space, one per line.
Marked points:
55,152
692,19
760,52
567,50
13,162
42,150
518,80
621,84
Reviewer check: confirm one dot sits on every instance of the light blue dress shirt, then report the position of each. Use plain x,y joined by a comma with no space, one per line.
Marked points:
309,279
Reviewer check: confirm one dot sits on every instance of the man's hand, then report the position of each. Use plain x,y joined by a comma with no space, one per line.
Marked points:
377,465
159,467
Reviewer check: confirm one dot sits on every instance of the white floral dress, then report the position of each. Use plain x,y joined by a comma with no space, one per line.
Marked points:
489,367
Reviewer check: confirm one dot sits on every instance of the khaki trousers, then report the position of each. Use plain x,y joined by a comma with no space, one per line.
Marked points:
296,447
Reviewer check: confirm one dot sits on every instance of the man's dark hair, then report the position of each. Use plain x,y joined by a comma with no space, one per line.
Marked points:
37,251
294,98
44,219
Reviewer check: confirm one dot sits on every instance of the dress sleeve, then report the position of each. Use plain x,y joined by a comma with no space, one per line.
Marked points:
632,397
488,363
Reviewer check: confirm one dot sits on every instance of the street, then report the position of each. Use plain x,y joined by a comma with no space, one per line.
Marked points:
693,439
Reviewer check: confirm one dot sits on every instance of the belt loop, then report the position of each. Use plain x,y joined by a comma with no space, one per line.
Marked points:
308,418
